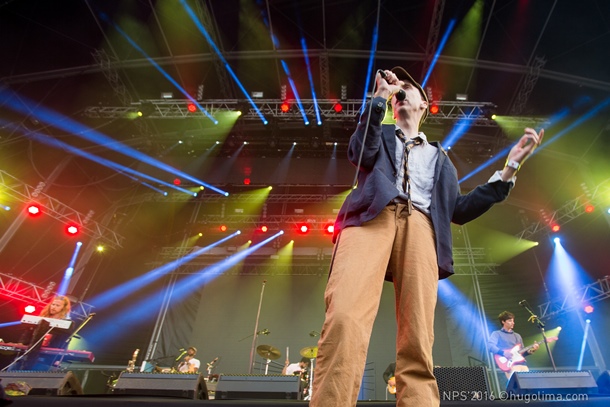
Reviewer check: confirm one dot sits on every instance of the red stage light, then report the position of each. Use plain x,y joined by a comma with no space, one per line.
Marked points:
285,107
72,230
555,228
338,107
589,309
303,228
191,107
29,309
177,181
246,181
34,210
329,229
434,109
264,228
223,228
589,208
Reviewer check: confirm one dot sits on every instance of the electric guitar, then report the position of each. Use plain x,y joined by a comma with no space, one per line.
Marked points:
391,388
517,357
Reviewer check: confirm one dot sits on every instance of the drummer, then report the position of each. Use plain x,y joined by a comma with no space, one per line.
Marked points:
296,368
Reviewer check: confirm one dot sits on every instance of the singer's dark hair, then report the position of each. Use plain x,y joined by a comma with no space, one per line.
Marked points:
505,315
305,360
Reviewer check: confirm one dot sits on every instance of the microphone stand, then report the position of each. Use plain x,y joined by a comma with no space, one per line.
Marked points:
255,335
535,320
73,334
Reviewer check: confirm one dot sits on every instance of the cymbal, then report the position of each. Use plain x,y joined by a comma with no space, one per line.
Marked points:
268,352
311,352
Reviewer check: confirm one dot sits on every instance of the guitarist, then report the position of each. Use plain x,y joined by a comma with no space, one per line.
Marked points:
502,341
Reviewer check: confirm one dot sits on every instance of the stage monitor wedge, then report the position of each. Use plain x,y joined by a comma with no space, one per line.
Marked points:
42,383
181,385
243,387
568,382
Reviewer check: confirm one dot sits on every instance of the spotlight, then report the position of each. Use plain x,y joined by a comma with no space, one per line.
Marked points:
303,228
556,240
191,107
246,181
589,208
223,228
555,228
264,228
338,107
72,229
177,181
29,309
329,229
285,107
34,210
589,309
434,109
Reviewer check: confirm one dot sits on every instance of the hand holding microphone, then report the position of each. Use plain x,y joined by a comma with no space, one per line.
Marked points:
400,94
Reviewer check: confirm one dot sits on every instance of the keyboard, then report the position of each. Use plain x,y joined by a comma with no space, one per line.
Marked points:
53,322
68,355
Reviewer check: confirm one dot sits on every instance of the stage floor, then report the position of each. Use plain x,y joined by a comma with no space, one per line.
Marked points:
129,401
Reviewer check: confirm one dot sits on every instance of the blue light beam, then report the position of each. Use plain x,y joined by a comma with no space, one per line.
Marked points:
211,43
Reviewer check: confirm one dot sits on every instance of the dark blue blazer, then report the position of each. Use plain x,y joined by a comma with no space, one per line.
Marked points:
376,186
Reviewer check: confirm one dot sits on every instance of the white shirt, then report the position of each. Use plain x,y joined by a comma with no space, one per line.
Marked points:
293,367
184,366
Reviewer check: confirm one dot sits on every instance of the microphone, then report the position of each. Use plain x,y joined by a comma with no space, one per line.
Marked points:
182,354
401,94
181,350
214,361
522,302
313,334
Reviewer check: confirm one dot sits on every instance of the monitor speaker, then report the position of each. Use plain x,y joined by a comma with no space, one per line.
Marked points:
603,382
570,382
183,385
241,387
42,383
471,381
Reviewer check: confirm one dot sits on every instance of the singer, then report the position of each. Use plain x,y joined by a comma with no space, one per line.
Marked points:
189,364
396,226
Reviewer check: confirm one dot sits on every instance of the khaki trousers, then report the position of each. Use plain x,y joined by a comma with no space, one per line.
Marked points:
404,245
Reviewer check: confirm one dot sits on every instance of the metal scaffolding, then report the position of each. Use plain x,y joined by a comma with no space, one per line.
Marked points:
57,210
588,294
18,289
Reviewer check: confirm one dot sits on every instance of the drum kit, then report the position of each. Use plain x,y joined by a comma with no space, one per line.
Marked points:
270,353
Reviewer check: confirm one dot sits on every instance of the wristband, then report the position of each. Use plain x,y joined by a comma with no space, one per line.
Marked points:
513,164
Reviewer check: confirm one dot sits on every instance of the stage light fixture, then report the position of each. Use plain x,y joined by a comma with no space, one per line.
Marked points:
338,107
246,181
589,208
303,228
223,228
434,109
285,107
555,228
191,107
177,181
329,229
34,210
29,309
589,309
264,228
72,229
